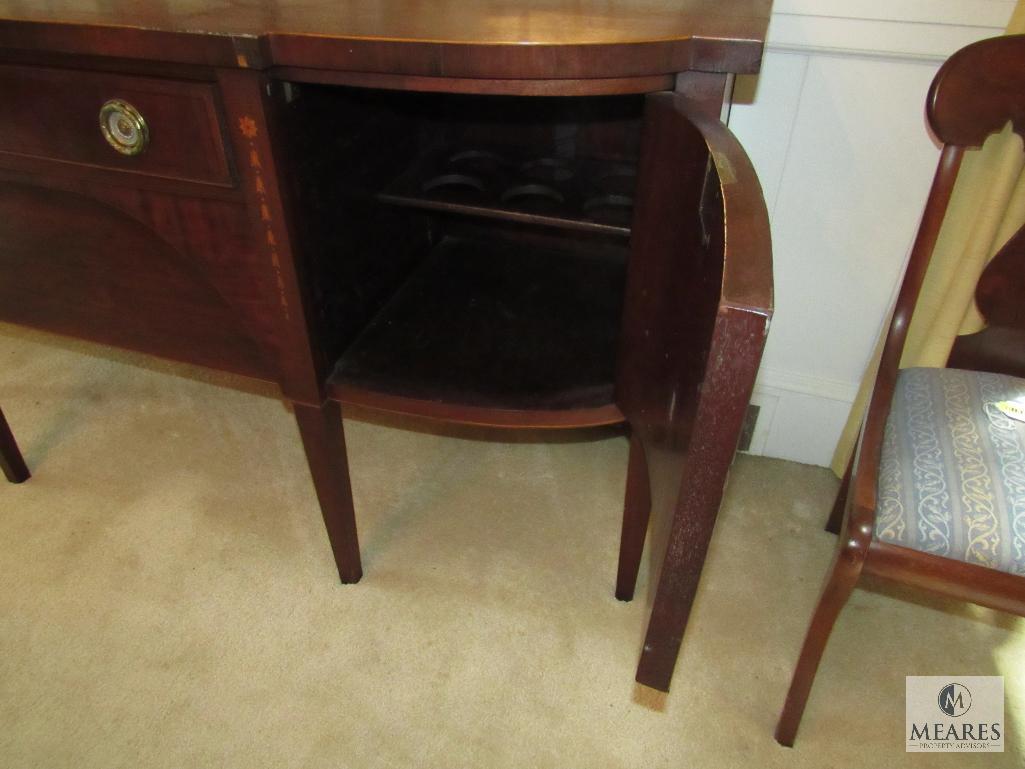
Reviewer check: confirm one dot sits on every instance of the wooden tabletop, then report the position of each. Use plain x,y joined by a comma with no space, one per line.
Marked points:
467,38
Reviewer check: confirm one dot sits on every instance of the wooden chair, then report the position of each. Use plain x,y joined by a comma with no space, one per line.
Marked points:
908,521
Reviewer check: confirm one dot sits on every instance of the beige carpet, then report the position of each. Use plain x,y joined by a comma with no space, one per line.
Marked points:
167,599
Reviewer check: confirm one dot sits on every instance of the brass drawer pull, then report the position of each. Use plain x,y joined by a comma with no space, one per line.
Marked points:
124,127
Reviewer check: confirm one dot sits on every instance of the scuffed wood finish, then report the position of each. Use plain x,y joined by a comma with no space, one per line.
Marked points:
693,489
697,312
705,91
11,461
450,38
975,93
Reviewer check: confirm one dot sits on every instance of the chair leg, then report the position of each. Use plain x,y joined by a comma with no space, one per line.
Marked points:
843,575
636,511
836,514
324,441
13,464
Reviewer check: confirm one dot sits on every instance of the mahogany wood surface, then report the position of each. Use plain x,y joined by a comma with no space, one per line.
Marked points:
975,93
324,442
31,169
835,519
1000,346
262,231
11,461
248,98
57,118
636,516
70,263
707,299
447,38
946,576
480,416
595,86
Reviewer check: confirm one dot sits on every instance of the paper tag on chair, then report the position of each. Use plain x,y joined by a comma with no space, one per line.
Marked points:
1012,409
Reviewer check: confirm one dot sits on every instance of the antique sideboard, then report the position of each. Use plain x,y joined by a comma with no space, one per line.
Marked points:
509,213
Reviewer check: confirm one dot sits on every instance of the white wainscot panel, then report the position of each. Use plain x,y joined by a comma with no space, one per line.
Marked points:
762,116
845,158
859,167
799,421
835,127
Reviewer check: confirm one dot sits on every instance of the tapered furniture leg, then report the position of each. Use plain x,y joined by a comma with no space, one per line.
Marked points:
324,441
636,511
15,469
843,574
836,514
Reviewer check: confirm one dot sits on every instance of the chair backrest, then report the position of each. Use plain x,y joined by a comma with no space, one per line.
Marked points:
976,92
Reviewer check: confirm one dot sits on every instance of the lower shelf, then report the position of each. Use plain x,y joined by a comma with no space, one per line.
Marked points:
498,334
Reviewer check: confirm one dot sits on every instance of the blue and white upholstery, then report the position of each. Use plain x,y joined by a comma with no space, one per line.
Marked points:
952,478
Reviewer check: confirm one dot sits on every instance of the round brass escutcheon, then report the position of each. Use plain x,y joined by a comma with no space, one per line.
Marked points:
124,127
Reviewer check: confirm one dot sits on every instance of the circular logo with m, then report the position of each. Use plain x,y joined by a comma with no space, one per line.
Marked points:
955,700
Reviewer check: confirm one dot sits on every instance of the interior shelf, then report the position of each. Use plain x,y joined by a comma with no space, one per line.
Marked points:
585,194
491,325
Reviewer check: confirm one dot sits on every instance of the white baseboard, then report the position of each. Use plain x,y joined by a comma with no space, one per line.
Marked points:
801,417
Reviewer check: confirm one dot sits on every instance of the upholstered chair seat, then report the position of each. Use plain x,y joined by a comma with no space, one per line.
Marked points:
934,498
952,476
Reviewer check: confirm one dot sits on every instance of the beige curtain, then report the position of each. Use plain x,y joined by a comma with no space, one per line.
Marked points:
987,208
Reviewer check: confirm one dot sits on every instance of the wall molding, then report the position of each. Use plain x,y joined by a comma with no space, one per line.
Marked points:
800,417
925,30
820,387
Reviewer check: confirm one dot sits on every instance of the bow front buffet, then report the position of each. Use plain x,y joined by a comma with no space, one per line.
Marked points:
510,213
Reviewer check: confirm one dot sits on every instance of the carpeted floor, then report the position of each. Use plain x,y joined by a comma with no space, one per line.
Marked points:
168,599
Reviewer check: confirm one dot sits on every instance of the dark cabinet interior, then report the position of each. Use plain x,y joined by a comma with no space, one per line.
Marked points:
466,250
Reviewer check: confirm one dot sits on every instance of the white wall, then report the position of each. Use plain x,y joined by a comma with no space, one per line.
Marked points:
835,126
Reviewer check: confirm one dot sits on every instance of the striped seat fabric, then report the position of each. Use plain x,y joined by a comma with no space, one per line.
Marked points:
952,477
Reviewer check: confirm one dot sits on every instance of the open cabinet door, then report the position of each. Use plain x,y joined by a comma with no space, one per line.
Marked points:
698,303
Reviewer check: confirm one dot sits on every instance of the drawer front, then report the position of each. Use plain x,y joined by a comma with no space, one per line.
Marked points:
148,271
56,115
